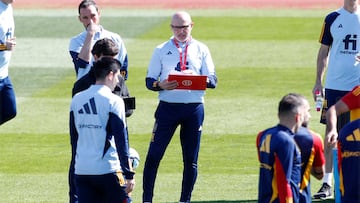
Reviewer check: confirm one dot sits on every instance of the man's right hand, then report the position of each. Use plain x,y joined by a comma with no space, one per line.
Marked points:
92,28
130,185
317,87
168,85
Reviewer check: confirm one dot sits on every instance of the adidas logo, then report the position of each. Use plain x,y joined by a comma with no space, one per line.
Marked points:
340,26
89,107
169,53
354,137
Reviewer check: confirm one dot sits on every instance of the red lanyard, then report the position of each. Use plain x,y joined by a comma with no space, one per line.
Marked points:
182,63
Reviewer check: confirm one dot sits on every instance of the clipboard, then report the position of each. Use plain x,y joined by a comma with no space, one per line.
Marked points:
189,82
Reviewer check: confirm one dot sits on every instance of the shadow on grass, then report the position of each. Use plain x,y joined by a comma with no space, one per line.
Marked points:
324,201
254,201
227,201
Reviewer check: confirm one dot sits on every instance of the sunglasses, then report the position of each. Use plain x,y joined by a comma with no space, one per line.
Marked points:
180,27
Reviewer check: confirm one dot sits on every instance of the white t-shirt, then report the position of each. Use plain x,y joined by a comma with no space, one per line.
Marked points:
342,34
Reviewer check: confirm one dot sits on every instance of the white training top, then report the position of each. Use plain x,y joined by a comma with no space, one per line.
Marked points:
342,74
7,29
77,42
165,60
92,109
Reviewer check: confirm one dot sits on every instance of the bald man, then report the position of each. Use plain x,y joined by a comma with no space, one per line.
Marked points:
181,54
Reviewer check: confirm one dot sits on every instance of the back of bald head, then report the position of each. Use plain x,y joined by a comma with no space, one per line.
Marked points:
290,104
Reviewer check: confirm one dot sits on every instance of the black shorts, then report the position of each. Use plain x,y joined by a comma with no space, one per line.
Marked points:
107,188
331,97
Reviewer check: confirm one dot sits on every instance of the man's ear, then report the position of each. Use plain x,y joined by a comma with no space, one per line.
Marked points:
111,75
298,117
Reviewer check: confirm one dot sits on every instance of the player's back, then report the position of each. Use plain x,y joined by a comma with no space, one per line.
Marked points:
279,165
95,153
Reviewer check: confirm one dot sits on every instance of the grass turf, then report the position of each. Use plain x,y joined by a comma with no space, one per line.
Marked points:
259,56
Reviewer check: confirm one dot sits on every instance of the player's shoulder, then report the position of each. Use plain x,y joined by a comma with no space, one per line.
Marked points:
165,45
105,97
112,35
302,131
6,7
317,138
198,43
332,16
79,98
278,133
117,105
315,134
164,48
77,41
107,94
349,128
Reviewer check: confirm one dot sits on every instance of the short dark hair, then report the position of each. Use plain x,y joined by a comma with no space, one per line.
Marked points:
104,66
290,103
105,47
87,3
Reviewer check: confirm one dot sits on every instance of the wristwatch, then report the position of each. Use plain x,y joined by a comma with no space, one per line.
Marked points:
155,84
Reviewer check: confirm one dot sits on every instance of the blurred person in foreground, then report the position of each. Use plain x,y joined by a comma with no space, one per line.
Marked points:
348,143
7,45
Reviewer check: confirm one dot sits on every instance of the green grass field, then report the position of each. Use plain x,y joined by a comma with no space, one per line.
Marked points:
260,55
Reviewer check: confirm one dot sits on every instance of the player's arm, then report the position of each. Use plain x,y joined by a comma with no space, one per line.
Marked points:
326,41
122,57
85,52
318,165
284,160
258,144
78,63
73,135
156,85
121,141
118,130
9,45
208,68
152,80
322,59
117,127
152,84
124,68
211,81
331,120
73,141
